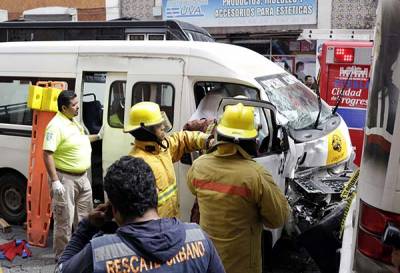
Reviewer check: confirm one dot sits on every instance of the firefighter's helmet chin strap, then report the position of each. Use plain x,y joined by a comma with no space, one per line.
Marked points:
160,142
144,134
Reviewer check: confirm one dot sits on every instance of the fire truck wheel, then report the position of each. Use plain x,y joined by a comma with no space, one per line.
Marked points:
13,198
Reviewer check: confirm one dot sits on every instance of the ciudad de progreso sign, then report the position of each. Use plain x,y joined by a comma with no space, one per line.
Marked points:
225,13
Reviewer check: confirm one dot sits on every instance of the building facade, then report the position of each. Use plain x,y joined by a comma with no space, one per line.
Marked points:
80,10
270,27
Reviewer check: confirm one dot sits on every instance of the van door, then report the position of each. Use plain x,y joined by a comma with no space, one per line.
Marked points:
115,142
160,80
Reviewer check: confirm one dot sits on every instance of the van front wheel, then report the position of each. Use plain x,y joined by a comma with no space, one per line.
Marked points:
13,198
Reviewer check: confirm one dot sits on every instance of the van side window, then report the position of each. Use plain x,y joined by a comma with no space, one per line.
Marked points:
161,93
13,106
116,103
208,95
14,95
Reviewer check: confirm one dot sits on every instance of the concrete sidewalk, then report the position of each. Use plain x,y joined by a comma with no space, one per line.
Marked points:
42,259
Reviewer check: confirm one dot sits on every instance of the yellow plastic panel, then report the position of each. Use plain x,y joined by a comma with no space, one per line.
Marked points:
49,102
35,96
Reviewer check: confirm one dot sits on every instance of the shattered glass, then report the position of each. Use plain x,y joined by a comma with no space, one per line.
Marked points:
294,100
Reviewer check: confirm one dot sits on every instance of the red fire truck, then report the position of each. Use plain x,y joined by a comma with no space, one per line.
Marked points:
344,75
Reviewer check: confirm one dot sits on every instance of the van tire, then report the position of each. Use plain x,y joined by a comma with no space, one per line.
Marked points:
13,198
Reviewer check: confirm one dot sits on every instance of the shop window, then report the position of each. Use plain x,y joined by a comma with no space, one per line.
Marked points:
161,93
116,104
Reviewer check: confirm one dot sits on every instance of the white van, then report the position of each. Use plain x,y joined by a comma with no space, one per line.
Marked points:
301,141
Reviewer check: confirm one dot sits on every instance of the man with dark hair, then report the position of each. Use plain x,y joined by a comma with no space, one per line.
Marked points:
236,195
67,154
308,81
143,241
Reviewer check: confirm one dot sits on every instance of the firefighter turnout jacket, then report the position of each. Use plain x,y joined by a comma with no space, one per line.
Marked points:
161,162
236,197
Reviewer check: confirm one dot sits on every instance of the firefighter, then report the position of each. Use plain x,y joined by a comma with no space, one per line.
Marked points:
148,125
236,195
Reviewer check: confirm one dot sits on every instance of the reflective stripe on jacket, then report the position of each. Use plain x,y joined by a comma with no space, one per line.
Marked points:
113,254
236,197
161,162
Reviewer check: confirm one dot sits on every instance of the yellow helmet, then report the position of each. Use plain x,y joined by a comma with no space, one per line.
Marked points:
237,121
144,113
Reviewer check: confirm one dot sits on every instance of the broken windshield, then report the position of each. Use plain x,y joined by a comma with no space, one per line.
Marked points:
294,100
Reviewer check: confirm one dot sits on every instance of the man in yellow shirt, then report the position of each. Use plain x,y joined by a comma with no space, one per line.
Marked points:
67,155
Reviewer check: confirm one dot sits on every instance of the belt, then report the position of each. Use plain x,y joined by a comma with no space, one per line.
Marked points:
69,173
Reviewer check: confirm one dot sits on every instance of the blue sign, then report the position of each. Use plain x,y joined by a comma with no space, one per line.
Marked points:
219,13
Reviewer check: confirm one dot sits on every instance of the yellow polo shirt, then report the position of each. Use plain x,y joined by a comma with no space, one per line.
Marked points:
70,146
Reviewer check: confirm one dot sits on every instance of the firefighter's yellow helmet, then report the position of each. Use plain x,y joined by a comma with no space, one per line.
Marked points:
237,121
144,113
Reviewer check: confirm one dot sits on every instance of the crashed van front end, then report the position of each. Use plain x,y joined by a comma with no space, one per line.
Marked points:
321,162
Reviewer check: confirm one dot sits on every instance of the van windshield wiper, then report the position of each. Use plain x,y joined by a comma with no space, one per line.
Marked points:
319,102
339,100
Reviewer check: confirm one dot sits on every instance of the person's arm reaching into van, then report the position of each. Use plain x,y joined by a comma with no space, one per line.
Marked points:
187,142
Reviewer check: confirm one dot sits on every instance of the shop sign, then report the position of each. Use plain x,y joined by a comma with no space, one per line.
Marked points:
354,86
228,13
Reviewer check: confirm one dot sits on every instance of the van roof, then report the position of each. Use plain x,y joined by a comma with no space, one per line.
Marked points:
234,58
120,22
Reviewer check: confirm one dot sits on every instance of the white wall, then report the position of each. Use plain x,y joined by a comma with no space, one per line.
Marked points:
324,14
113,8
3,15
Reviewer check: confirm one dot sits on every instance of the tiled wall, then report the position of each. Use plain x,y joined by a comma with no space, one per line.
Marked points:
140,9
353,14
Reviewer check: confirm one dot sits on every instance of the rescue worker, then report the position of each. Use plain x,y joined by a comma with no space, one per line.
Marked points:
143,241
67,157
148,125
236,195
